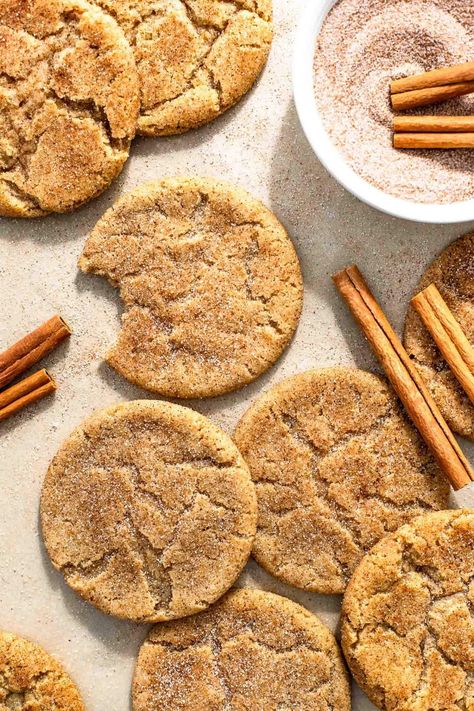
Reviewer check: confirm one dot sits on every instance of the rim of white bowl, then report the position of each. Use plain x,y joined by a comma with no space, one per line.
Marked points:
310,23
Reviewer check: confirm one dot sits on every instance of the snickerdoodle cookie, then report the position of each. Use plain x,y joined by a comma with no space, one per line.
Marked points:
195,58
210,281
32,680
337,465
149,511
453,274
251,651
407,622
69,100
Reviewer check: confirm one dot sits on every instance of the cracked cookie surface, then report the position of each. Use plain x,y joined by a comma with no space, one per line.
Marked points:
210,281
252,651
407,617
337,465
32,680
453,273
69,101
195,58
149,511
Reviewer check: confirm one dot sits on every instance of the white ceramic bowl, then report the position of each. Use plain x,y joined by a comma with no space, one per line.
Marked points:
311,20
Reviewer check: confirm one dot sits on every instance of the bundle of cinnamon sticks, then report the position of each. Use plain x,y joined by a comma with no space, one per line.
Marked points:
442,132
403,374
20,357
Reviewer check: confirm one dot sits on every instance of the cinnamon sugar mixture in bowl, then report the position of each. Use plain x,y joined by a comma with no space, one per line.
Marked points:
362,46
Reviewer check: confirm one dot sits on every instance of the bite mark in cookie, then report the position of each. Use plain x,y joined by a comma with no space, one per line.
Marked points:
210,281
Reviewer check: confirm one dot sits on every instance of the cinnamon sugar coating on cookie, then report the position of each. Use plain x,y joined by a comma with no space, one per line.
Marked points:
453,273
31,679
68,104
195,58
210,282
149,511
252,650
407,622
337,465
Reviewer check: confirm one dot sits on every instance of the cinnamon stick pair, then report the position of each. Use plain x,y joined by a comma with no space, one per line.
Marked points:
20,357
448,336
442,132
432,88
25,393
404,377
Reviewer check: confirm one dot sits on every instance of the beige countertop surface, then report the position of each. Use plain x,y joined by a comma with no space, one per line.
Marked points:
260,146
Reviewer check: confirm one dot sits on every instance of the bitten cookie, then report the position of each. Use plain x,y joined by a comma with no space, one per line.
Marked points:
337,465
149,511
210,282
453,273
195,58
252,650
69,101
407,624
31,679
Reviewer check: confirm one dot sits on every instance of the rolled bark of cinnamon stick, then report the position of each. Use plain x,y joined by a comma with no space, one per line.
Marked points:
433,124
25,392
404,377
456,74
438,141
434,95
448,336
30,349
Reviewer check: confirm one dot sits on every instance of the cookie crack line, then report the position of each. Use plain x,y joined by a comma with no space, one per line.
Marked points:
24,192
430,639
201,65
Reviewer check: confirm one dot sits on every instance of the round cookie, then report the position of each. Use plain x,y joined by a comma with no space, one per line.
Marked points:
69,101
252,650
31,679
149,511
407,625
210,281
453,273
195,58
337,465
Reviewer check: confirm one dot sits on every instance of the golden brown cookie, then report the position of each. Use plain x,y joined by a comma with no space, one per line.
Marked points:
252,651
210,282
149,511
453,273
337,465
407,622
31,680
195,58
69,101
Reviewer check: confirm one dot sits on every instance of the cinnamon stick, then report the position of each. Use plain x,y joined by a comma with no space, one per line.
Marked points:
25,392
30,349
433,95
448,336
433,124
456,74
404,377
439,141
